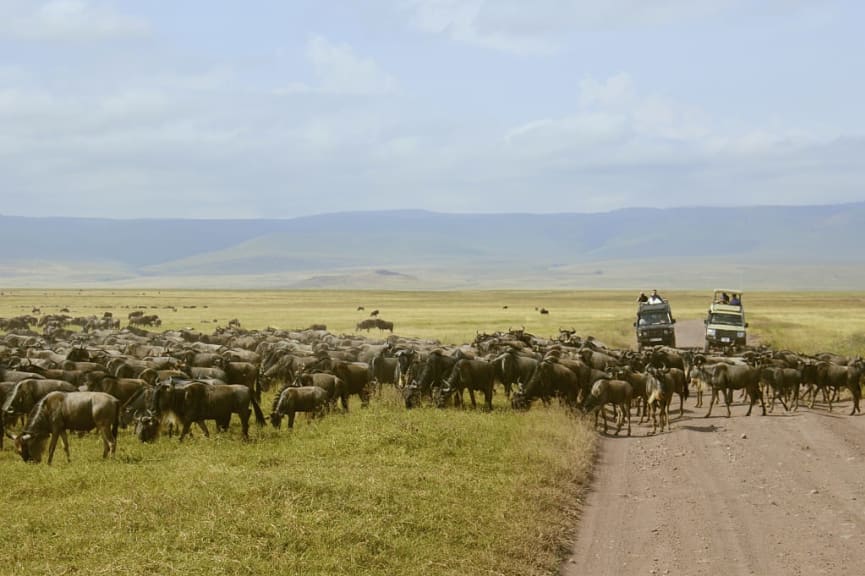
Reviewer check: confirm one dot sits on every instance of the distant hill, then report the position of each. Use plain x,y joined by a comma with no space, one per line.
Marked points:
817,247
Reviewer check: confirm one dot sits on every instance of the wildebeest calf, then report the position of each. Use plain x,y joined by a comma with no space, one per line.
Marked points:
310,399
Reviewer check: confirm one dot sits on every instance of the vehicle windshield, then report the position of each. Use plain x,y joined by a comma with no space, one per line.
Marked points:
650,318
726,319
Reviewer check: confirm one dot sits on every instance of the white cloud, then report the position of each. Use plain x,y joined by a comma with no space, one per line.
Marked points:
339,70
541,26
462,20
66,20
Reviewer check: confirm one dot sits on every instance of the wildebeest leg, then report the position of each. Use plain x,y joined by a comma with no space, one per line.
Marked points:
472,396
203,427
628,413
65,439
52,445
488,399
603,410
712,400
185,430
728,399
856,392
244,424
291,419
107,443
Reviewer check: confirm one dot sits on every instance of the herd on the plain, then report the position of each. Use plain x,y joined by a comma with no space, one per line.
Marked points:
106,377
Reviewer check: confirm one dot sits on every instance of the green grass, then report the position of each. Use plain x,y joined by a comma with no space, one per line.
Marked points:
376,491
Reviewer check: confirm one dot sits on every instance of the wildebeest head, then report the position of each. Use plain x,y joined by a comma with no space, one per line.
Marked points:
412,396
147,427
29,446
519,400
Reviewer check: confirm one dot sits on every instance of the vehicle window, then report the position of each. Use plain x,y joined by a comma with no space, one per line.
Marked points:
654,318
726,319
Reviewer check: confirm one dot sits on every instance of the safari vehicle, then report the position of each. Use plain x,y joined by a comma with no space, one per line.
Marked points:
725,324
654,325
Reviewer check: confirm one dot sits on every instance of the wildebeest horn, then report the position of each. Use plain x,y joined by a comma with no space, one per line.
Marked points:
26,437
10,435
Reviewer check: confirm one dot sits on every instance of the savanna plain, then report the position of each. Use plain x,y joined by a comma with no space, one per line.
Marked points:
379,490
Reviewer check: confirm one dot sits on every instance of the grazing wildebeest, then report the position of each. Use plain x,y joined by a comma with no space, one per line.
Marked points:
550,379
472,374
58,412
436,369
512,368
615,392
310,399
335,388
374,313
197,402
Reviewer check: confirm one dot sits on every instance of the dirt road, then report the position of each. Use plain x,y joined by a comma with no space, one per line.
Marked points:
782,494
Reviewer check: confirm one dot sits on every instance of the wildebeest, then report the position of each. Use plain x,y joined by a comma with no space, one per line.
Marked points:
474,375
550,379
659,392
615,392
725,378
512,368
310,399
196,402
5,389
385,370
121,388
27,393
58,412
834,377
335,388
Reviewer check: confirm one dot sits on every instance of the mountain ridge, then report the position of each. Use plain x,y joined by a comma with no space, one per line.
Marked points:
434,249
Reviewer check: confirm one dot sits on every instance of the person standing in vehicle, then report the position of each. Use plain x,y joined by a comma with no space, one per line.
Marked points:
642,298
655,298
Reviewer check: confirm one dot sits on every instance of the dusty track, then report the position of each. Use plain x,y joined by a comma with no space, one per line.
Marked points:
781,494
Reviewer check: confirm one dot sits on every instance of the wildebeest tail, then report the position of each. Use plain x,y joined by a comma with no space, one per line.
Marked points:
259,415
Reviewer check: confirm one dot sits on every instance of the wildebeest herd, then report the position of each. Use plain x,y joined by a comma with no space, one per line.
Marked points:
107,378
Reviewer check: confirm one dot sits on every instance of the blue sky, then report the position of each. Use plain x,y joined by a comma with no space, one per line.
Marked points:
280,109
